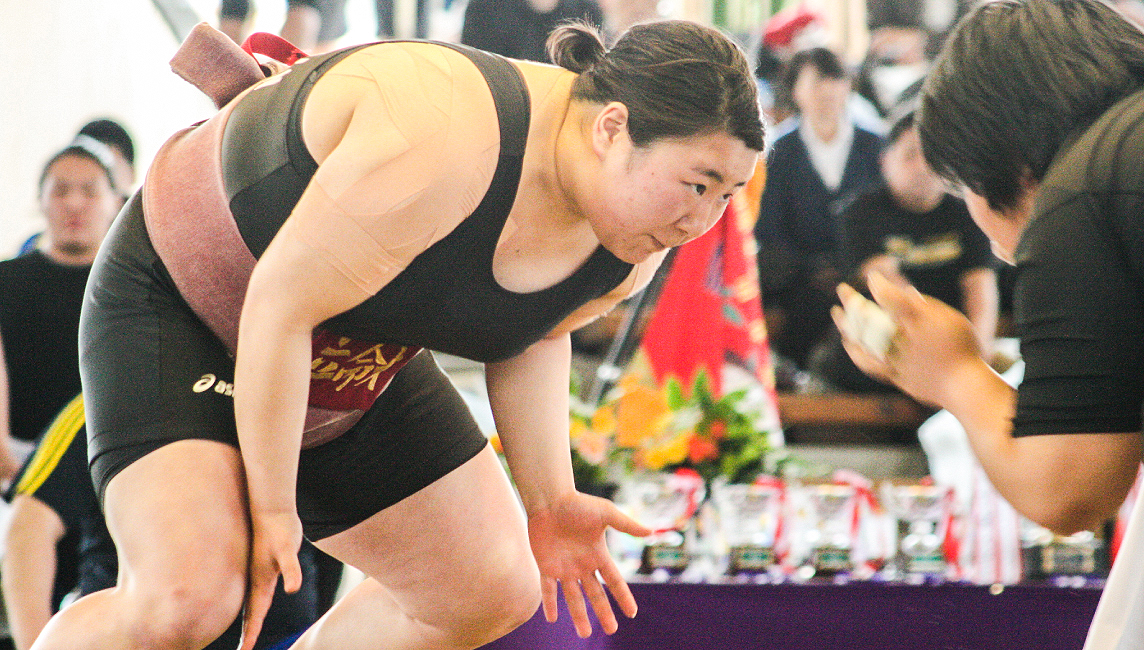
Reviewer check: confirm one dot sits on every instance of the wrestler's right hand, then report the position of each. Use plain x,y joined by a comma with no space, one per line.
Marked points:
275,540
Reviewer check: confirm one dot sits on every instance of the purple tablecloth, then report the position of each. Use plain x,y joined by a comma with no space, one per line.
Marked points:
857,616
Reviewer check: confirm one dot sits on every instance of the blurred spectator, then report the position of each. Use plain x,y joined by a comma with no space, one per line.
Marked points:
58,548
519,28
897,58
387,28
41,292
115,137
788,32
234,18
313,26
911,230
622,14
934,16
822,160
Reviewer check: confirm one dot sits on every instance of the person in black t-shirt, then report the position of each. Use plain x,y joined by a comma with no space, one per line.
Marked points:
912,230
41,293
1037,109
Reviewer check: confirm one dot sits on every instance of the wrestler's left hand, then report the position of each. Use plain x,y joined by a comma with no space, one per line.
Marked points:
567,541
275,540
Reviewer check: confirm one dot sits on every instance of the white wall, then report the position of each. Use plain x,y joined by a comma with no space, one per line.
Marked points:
64,62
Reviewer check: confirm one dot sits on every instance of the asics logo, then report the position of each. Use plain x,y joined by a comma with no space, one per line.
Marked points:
209,381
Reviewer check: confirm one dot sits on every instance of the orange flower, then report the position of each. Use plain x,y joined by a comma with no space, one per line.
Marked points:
495,440
668,451
717,429
640,415
604,421
701,448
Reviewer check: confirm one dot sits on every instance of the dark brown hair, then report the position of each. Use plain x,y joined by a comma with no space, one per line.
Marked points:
676,78
1014,80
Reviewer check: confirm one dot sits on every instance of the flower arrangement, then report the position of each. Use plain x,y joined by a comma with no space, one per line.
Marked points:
642,428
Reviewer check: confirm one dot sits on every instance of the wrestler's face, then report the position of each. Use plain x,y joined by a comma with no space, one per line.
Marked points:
667,193
79,203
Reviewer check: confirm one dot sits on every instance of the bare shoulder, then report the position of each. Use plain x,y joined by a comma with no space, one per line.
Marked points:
404,133
417,91
407,140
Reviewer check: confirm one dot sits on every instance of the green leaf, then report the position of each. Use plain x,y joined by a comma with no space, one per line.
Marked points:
674,391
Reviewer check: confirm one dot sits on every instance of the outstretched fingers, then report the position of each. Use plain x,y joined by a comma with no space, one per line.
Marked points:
610,573
577,609
600,603
548,595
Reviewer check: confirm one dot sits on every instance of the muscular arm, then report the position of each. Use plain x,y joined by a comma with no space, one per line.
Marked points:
375,202
980,303
529,397
29,567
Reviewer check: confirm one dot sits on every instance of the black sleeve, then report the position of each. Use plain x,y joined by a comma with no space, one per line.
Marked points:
1079,315
976,250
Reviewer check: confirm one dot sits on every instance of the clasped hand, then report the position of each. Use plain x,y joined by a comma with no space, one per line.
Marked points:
932,341
567,541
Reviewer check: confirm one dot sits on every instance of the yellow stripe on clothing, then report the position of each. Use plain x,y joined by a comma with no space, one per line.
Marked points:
52,446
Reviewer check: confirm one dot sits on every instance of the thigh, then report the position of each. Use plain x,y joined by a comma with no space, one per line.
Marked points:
418,431
152,372
178,516
453,546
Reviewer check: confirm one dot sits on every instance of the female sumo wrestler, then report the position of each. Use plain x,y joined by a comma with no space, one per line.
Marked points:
252,336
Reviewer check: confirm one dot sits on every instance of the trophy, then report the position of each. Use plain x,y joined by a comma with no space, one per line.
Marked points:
750,522
920,511
833,511
1047,555
665,503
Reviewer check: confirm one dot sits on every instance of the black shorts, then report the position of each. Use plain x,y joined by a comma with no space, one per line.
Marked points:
153,374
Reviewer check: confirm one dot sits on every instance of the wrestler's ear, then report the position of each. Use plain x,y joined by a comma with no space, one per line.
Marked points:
610,127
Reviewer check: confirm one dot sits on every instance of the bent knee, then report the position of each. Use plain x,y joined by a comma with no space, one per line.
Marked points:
505,601
516,598
187,615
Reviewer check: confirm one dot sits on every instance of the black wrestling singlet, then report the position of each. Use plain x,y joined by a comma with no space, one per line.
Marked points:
447,299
